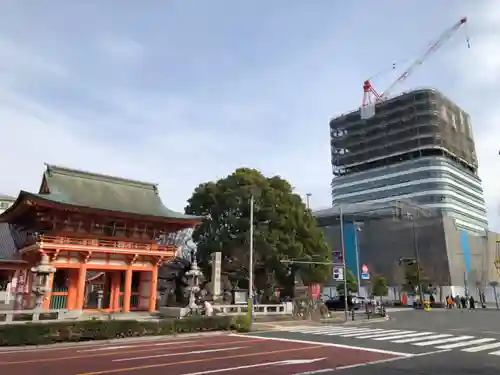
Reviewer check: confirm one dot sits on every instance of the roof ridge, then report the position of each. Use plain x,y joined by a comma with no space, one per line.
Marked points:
51,168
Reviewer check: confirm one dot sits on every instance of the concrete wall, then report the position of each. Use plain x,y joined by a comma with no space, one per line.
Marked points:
382,242
471,257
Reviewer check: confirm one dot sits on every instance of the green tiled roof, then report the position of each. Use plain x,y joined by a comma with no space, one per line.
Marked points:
101,192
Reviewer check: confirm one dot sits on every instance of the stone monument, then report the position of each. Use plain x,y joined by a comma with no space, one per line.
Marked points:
216,276
193,276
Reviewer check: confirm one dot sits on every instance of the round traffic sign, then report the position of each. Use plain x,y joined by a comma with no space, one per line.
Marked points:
364,268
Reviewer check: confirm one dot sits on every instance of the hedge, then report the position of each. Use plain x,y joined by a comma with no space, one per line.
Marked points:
87,330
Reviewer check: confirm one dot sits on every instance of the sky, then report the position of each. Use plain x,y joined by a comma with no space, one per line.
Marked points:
180,92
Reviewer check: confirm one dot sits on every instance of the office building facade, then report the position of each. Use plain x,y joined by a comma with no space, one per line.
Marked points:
5,202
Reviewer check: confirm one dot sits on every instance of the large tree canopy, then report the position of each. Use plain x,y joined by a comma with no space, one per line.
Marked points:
283,229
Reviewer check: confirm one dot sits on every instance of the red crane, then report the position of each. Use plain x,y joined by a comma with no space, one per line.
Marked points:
369,90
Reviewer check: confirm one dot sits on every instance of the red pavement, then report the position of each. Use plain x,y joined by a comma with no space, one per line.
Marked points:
193,356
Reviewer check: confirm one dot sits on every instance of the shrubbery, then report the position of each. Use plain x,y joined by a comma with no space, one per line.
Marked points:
50,333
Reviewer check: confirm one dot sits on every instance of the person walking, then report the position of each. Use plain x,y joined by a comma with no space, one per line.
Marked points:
472,303
463,302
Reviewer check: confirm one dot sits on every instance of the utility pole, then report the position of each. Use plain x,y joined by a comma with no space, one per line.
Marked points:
343,262
357,229
417,256
250,268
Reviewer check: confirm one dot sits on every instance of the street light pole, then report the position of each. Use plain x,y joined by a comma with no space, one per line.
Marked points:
308,197
417,257
357,229
343,262
250,268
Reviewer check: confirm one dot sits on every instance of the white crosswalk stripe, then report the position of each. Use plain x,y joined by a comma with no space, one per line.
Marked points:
482,348
466,343
443,341
380,334
408,335
415,339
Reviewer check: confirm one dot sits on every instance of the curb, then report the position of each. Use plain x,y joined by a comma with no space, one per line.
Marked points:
95,343
366,321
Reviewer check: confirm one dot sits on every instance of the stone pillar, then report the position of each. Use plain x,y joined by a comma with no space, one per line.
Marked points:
128,290
48,295
44,273
216,276
153,289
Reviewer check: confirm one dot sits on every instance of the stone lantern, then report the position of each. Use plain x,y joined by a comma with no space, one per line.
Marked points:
193,287
40,287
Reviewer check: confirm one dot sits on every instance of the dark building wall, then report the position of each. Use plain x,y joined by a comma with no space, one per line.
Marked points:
382,242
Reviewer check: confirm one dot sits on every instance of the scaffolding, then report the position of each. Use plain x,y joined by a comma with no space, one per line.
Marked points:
412,125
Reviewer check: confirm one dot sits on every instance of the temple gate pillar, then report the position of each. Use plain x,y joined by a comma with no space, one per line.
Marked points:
128,290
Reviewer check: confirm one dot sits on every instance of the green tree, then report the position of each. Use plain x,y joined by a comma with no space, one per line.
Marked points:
283,228
352,284
412,275
379,287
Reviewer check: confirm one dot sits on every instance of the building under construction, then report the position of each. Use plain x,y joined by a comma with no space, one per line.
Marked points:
419,147
405,184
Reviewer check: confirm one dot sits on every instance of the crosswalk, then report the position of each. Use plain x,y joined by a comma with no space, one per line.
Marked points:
443,341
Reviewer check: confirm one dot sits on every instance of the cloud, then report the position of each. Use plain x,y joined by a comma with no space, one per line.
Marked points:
477,71
178,98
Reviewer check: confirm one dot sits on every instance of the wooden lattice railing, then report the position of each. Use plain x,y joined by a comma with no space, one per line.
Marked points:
106,243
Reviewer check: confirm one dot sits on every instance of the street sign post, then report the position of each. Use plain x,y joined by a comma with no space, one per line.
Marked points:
338,273
365,274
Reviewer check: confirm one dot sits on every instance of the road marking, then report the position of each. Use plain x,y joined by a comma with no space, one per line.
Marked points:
451,339
386,333
467,343
389,360
381,351
323,329
316,371
414,339
482,347
105,354
417,334
347,331
363,332
277,363
99,343
177,353
211,359
131,346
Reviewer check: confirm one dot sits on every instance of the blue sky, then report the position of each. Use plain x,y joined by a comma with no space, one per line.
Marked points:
181,92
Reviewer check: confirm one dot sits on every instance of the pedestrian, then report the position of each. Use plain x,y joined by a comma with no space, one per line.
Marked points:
463,301
449,301
457,301
472,303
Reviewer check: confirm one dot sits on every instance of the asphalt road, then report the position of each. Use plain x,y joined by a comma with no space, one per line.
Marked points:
436,342
413,343
485,321
227,354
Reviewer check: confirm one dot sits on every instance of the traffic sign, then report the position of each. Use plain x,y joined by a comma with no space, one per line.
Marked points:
364,268
365,276
338,273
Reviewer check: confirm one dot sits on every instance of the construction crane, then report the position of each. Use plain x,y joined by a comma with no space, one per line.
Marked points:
372,96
